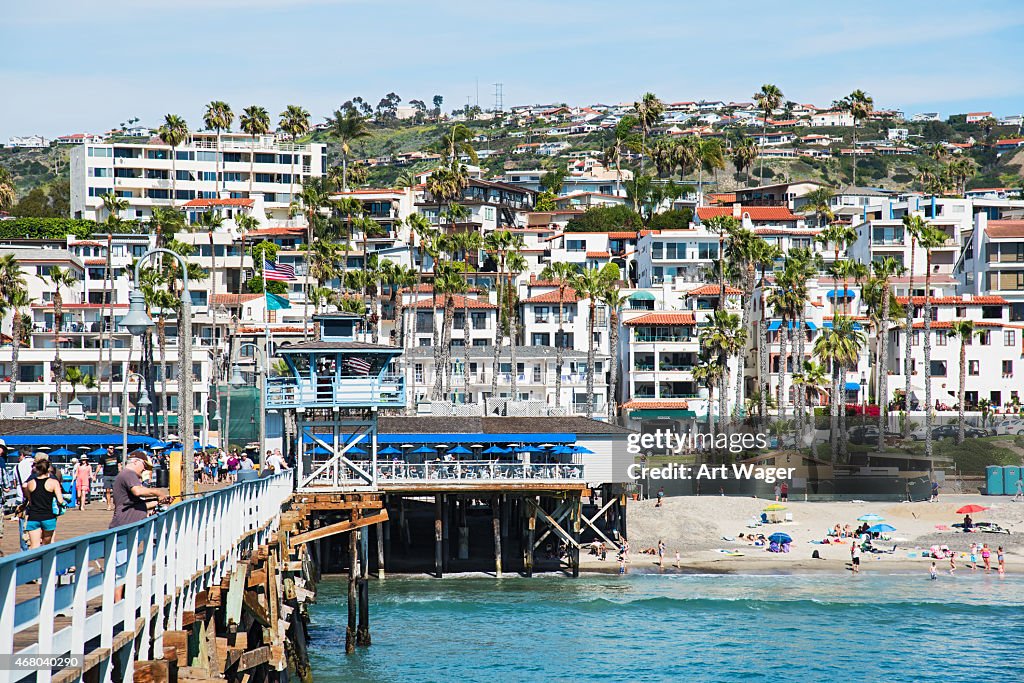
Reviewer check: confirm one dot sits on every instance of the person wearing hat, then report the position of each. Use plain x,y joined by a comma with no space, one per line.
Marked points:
130,496
84,476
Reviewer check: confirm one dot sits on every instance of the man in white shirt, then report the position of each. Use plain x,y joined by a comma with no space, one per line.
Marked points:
275,463
245,463
22,473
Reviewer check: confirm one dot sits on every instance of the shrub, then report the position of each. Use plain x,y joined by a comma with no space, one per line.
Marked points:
46,228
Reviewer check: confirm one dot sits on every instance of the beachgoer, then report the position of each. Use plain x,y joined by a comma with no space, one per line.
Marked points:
952,564
661,553
784,492
275,463
44,496
661,497
1001,560
1020,491
678,560
935,491
986,557
974,557
22,473
246,463
131,500
83,481
968,524
934,572
111,466
778,492
855,557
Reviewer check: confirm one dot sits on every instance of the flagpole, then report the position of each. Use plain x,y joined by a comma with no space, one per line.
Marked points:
266,319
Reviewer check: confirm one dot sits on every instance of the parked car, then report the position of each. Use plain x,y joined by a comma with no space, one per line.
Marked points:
1012,426
949,431
868,434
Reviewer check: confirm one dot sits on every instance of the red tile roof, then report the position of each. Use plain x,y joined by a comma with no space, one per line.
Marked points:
270,232
785,231
87,243
553,297
198,203
95,261
652,404
757,213
667,318
956,300
599,254
722,197
712,290
946,324
428,287
460,302
1005,229
233,299
627,234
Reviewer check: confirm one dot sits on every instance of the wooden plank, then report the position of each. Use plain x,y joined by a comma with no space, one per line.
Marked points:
340,527
236,590
179,641
255,608
188,618
151,671
214,597
260,655
257,578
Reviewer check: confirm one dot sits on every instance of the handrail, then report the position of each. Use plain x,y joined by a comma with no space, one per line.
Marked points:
474,472
168,558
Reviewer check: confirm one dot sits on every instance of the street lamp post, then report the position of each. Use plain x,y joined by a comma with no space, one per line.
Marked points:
238,381
138,322
143,402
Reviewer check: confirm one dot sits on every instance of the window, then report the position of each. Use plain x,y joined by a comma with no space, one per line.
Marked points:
206,156
101,152
232,177
973,367
985,338
209,176
264,158
183,175
658,250
264,177
992,312
99,191
961,311
489,213
232,157
940,338
917,338
284,158
707,251
1009,337
576,245
938,368
540,314
540,339
156,154
1007,368
185,156
100,172
159,194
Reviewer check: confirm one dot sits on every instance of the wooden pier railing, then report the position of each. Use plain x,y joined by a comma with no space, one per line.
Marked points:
109,597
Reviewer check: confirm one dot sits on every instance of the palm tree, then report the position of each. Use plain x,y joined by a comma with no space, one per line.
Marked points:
613,153
709,157
860,106
351,207
763,256
74,376
913,226
613,301
804,264
448,281
347,126
163,301
838,346
372,278
59,278
17,299
840,237
468,242
294,122
962,330
515,264
218,117
812,377
648,112
114,206
8,192
561,272
254,121
725,336
743,155
781,303
173,133
591,284
708,373
931,238
819,202
768,99
399,278
499,243
885,269
456,142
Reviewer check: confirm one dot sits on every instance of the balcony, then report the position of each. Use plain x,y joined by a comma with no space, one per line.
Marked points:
470,473
355,392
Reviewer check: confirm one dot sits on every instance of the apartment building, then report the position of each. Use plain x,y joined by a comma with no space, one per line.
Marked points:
993,262
144,173
491,206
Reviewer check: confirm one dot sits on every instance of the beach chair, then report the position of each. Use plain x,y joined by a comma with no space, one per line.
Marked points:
789,517
764,518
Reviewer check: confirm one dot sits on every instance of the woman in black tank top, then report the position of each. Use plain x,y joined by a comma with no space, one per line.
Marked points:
40,493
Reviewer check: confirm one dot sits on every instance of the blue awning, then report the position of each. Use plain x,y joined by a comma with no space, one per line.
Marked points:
844,293
75,440
828,325
642,296
853,386
477,437
776,324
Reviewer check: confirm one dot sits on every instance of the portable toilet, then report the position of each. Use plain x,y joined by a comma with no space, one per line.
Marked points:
1011,475
994,480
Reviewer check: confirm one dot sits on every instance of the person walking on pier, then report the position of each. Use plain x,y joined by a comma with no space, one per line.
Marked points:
45,501
111,465
22,473
83,476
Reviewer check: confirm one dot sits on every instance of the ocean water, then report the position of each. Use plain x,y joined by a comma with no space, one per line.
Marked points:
651,627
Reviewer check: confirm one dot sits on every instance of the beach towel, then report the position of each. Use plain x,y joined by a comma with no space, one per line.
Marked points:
730,553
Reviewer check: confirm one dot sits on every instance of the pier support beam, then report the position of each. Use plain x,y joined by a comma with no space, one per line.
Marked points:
446,516
531,531
438,550
380,550
574,549
353,570
496,520
460,512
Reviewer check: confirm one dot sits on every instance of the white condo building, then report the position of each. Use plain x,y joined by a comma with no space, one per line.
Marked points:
145,174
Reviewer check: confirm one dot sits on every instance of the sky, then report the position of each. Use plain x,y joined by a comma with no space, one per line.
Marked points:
70,66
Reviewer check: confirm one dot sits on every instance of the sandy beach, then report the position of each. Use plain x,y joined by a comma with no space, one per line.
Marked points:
698,527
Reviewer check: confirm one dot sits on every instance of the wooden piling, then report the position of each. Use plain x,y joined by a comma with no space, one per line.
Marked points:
446,515
438,533
574,550
363,633
380,549
353,570
531,532
496,521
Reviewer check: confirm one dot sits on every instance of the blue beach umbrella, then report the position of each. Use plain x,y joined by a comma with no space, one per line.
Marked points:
389,451
870,517
320,450
159,445
426,450
580,449
779,537
357,450
881,528
98,451
493,450
62,452
460,450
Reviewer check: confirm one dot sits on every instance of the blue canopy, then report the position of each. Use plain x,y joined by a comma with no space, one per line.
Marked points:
75,440
476,437
424,450
881,528
98,451
320,450
158,445
460,450
357,450
389,451
494,450
841,293
776,324
561,450
828,325
581,449
853,386
62,451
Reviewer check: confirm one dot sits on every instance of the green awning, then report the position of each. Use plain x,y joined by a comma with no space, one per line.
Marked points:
642,296
648,413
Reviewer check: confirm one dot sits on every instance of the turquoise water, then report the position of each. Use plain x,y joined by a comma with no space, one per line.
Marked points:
649,627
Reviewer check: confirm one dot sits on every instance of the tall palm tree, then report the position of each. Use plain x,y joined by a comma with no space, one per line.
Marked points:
613,301
172,133
613,153
740,254
839,237
768,99
781,302
17,299
372,278
819,202
13,295
515,264
114,205
562,273
648,112
294,122
456,142
255,122
708,373
860,105
499,243
764,256
311,199
804,265
347,126
725,336
839,347
468,242
743,155
218,116
352,208
59,278
931,238
399,278
448,281
710,157
591,284
913,226
962,330
884,270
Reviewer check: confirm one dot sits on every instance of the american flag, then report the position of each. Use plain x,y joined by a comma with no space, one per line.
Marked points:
357,366
278,271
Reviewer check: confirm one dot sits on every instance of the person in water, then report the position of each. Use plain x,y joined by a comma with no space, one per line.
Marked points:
933,572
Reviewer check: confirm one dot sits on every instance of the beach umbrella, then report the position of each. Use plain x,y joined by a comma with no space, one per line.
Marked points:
357,450
159,445
389,450
320,450
775,507
494,450
881,529
425,450
779,537
561,450
98,451
62,452
968,509
581,449
870,517
524,449
460,450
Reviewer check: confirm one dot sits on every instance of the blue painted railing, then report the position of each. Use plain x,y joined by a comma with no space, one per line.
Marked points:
161,563
387,391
